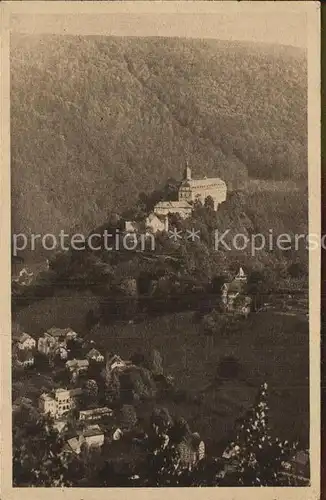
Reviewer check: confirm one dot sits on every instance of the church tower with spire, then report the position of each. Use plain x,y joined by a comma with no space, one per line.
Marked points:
187,172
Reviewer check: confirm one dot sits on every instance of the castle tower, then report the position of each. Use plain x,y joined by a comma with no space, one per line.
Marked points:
187,173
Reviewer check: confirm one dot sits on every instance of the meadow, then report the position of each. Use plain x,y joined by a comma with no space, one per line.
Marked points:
270,347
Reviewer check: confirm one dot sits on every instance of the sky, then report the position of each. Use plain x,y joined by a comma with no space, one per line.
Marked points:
274,26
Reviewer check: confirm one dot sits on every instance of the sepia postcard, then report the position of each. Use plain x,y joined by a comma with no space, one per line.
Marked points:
160,249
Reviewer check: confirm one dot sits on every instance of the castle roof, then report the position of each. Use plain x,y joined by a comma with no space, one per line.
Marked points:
206,182
173,204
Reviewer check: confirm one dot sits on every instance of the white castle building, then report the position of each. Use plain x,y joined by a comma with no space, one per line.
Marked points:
192,190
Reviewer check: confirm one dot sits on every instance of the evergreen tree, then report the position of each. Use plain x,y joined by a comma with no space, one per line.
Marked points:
256,457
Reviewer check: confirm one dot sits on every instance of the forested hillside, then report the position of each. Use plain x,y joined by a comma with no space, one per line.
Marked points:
97,120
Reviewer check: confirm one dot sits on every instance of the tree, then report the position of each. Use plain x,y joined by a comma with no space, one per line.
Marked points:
209,203
156,362
296,270
128,416
91,319
37,450
256,457
91,392
161,419
138,359
91,388
255,287
217,283
112,386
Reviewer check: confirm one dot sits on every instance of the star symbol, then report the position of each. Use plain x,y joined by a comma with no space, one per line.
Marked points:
175,235
192,234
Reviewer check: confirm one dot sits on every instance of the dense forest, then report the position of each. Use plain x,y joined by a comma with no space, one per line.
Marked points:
97,120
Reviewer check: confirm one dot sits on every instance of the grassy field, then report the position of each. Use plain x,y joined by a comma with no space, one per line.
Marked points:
65,309
270,347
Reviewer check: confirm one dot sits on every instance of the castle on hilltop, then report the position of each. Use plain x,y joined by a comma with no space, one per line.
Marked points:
191,190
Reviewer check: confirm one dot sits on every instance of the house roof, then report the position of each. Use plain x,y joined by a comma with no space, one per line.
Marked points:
59,332
173,204
93,353
96,411
93,430
23,337
77,363
241,274
115,358
74,444
60,423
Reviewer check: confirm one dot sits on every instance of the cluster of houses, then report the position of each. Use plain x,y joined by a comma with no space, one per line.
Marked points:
88,429
59,404
82,426
52,343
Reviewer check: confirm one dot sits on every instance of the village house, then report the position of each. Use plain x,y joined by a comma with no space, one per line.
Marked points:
47,344
95,414
115,362
92,436
152,224
59,402
54,341
23,341
117,434
95,355
156,223
232,290
77,365
62,352
164,208
24,277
